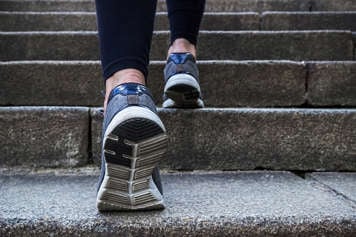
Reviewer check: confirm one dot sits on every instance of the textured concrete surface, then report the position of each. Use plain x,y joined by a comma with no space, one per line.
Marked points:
332,5
342,183
47,5
211,5
44,136
246,83
57,21
332,84
224,83
246,139
211,204
308,20
51,83
232,45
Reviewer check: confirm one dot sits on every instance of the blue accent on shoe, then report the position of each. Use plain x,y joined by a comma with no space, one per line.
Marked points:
180,58
129,89
181,77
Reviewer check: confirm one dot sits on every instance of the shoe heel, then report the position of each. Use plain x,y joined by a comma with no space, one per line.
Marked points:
134,143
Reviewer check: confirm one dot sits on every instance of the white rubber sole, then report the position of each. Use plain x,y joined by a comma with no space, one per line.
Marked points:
128,183
182,91
182,79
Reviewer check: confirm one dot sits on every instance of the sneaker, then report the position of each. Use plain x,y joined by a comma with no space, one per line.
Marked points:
182,88
134,141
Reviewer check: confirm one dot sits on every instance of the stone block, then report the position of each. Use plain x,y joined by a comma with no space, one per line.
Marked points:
224,83
86,21
342,183
44,136
247,139
332,84
217,45
197,204
308,21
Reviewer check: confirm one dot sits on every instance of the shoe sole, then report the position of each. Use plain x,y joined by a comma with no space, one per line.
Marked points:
134,143
182,91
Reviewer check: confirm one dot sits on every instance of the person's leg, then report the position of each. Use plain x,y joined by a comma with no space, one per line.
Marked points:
181,72
134,138
184,20
125,33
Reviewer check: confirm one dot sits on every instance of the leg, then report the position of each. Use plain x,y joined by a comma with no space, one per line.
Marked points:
184,19
125,33
182,89
134,138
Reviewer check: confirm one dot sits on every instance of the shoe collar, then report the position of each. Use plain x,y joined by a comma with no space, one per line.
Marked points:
180,58
129,89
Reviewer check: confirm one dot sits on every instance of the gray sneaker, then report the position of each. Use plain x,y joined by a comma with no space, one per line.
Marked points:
134,141
181,88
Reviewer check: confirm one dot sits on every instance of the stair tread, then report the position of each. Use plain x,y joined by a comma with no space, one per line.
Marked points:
252,83
210,138
211,5
254,203
292,45
270,20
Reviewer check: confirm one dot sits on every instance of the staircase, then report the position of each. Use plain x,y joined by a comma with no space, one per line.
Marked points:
272,154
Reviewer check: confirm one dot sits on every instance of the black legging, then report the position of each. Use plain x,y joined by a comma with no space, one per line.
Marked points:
125,30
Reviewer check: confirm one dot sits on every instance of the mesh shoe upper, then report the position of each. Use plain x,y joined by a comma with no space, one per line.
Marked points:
182,89
181,63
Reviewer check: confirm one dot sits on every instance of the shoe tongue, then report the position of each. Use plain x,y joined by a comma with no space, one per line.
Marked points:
180,58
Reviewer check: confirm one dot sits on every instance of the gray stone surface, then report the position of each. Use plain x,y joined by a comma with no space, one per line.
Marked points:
246,83
230,21
224,83
308,20
342,183
47,5
210,204
332,84
332,5
211,5
51,83
59,21
44,136
217,45
246,139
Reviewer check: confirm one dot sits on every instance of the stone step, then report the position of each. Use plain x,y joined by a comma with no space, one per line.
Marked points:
308,20
73,21
59,21
211,5
197,204
44,136
233,45
203,139
223,83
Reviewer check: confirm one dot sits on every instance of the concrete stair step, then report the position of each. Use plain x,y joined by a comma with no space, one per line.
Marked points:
234,45
73,21
197,204
209,139
308,20
211,5
223,83
57,21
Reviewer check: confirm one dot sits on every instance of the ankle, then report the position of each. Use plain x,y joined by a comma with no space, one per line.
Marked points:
121,77
182,45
